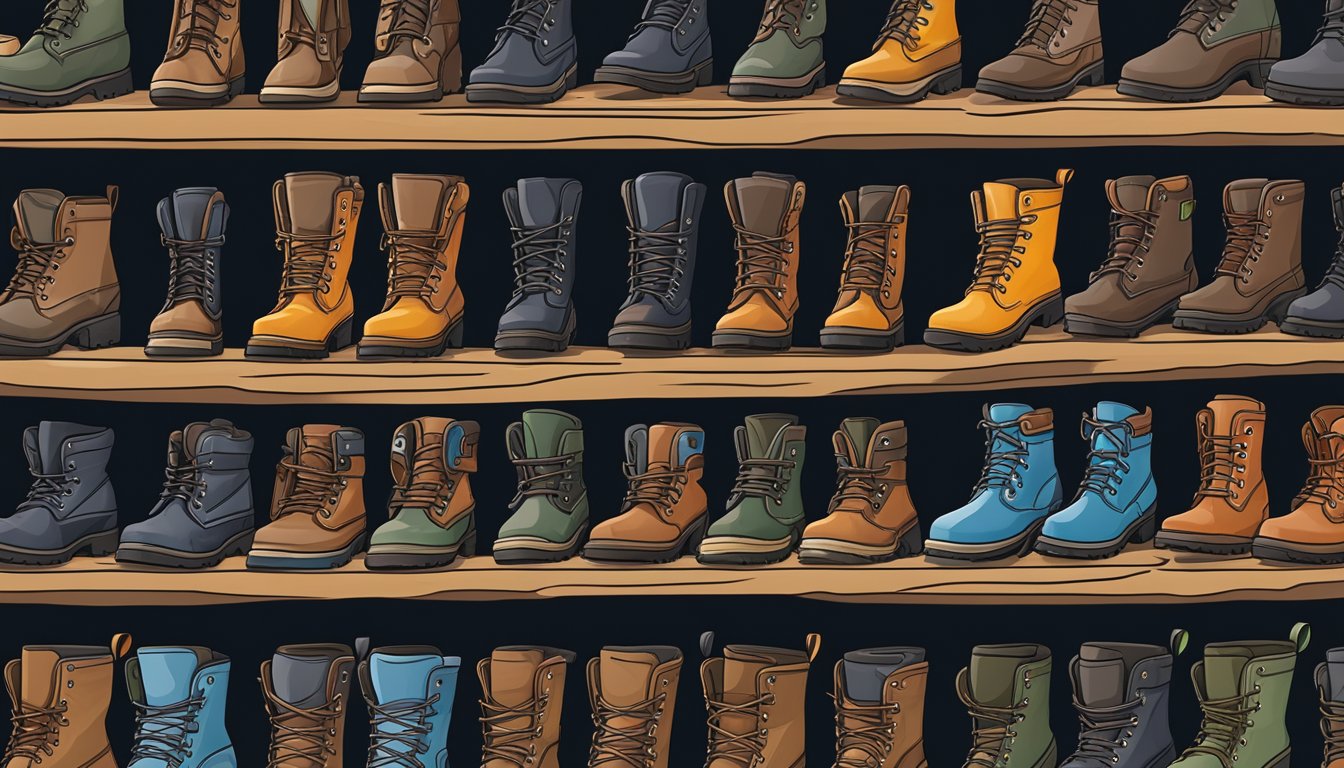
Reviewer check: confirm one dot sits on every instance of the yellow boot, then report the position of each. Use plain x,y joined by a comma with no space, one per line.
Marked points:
315,219
918,52
1016,283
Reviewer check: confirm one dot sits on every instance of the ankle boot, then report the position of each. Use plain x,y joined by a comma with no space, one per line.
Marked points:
755,696
670,50
205,512
204,64
632,693
918,52
879,708
535,58
1059,51
423,218
71,508
786,59
1232,500
1330,689
432,510
1321,312
765,516
522,702
306,689
868,312
193,220
543,214
665,511
872,518
179,695
316,215
766,209
1313,532
417,52
45,308
1316,78
1122,693
80,49
313,36
1006,690
1215,44
409,692
550,509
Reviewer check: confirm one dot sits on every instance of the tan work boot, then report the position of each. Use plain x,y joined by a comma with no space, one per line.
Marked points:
306,688
632,693
879,708
1313,532
755,697
765,209
1059,50
868,312
417,52
313,36
524,698
204,63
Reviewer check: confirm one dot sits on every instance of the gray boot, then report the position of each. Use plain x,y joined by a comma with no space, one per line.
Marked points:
205,512
190,324
544,216
1321,312
535,59
669,52
1316,77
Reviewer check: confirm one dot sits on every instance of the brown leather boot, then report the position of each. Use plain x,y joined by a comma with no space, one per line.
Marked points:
632,693
317,508
312,49
665,511
755,697
765,209
1059,50
204,64
871,518
868,312
879,708
524,698
1215,43
1232,500
1313,532
417,52
305,688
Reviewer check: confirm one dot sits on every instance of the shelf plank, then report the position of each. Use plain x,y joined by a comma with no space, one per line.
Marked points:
614,117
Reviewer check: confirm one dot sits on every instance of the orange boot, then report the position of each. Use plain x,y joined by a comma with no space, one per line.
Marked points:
1314,531
868,312
918,52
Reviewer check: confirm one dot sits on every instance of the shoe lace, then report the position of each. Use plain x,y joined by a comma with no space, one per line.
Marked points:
49,490
657,262
762,261
1218,456
410,19
998,253
528,18
1131,235
863,734
781,14
659,488
1099,738
747,748
1332,26
426,484
903,22
1325,481
1225,720
58,16
183,482
161,733
1047,16
1246,240
404,742
312,487
991,727
630,744
504,739
201,25
665,14
1004,454
1332,728
412,263
866,254
761,479
34,730
858,483
1104,465
541,476
538,257
1335,274
306,262
1199,14
35,260
190,274
301,733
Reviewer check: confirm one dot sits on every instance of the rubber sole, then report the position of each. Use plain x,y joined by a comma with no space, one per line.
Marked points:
833,552
1204,543
1320,329
537,340
1189,320
612,551
100,88
658,82
1045,314
165,557
319,94
1019,545
1085,325
520,550
1282,551
863,339
282,349
1306,97
383,348
777,88
391,558
942,82
1142,529
746,340
165,347
1095,74
650,337
168,96
282,560
1255,72
502,93
94,544
749,558
95,333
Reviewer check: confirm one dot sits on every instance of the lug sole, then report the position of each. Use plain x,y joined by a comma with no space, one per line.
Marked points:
1320,329
537,340
1282,551
382,347
778,88
503,93
943,82
390,558
1085,325
317,94
521,550
650,337
280,348
741,557
1255,72
166,557
743,340
863,339
94,544
614,551
1045,314
1203,543
95,333
168,96
1142,529
658,82
1190,320
833,551
1094,74
281,560
100,88
1306,97
1018,545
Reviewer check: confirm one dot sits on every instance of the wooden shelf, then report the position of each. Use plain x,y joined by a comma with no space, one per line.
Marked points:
614,117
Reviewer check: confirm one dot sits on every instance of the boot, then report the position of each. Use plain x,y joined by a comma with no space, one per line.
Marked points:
1150,263
1006,690
665,511
409,692
1321,312
918,52
766,209
872,518
204,63
317,509
670,50
423,219
632,693
1243,690
313,36
1232,500
179,695
305,688
1313,532
535,58
417,52
70,508
1215,44
550,509
205,512
191,324
1260,274
663,214
1116,502
868,312
765,514
755,696
1316,78
523,699
80,49
1016,283
316,215
785,60
544,216
879,708
1059,51
1330,688
432,510
52,232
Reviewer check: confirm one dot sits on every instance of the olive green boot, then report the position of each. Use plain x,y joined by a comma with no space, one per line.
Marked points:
1006,690
81,48
765,510
785,59
550,510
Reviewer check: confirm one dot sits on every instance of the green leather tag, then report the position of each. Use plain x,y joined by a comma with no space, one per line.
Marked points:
1187,210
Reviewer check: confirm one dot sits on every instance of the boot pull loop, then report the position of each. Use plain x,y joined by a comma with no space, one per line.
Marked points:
1300,635
707,643
1063,176
113,194
361,648
1180,638
121,641
813,645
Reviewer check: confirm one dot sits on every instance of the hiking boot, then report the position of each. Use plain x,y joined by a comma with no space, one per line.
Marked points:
918,52
1018,489
1016,284
306,688
879,708
523,699
632,693
432,509
70,508
1330,689
765,209
1260,274
1059,51
871,518
316,215
765,515
409,693
1006,690
1321,312
868,313
193,220
204,513
1313,532
665,511
550,509
1232,500
535,58
543,214
417,52
1215,44
423,217
663,213
204,63
1116,502
785,60
179,695
755,696
80,49
1316,78
669,52
317,508
313,36
1150,263
42,310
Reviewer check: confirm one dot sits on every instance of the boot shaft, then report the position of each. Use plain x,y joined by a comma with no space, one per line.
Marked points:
207,34
755,696
664,467
771,449
1231,436
321,473
60,695
72,460
663,213
876,218
423,219
1224,20
544,214
53,231
633,689
920,29
432,462
1119,462
522,705
879,687
1152,232
1129,684
1018,220
194,221
409,692
871,460
417,32
803,21
1006,690
1324,486
1329,680
316,217
208,472
179,694
1264,233
323,26
307,688
69,25
546,447
1060,28
1019,456
766,209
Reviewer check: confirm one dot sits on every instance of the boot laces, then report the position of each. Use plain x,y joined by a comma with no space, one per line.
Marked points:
191,274
538,257
762,262
306,262
59,16
998,253
782,14
659,488
866,254
427,485
666,14
1219,460
631,743
1099,739
1204,14
858,483
405,742
161,733
34,731
1335,274
200,28
1246,240
410,20
1325,482
301,733
863,734
183,481
49,490
1105,464
903,23
761,479
314,488
746,748
657,262
1332,26
412,266
1225,721
1332,728
542,476
508,732
36,261
991,731
529,18
1047,17
1131,236
1005,455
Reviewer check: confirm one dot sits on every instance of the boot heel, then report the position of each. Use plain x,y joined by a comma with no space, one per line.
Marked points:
1051,313
103,544
948,83
341,337
1147,529
103,332
1278,309
119,85
693,541
468,546
1282,762
1097,76
911,544
706,74
1258,75
450,71
455,334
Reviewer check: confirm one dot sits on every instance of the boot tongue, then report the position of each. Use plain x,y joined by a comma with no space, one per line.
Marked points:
539,200
418,201
309,197
1226,407
867,671
658,199
1109,413
37,210
50,439
1130,193
993,675
315,446
875,202
39,674
761,432
191,438
1000,201
189,209
300,679
626,675
1222,670
1002,413
1101,676
763,202
740,667
1324,418
1334,667
168,673
512,674
401,677
663,442
1244,196
543,430
858,433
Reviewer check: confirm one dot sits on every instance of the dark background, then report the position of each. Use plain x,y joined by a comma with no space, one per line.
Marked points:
946,448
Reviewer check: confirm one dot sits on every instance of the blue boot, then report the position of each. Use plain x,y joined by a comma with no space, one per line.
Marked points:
669,52
179,695
1018,488
1117,500
535,58
409,692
